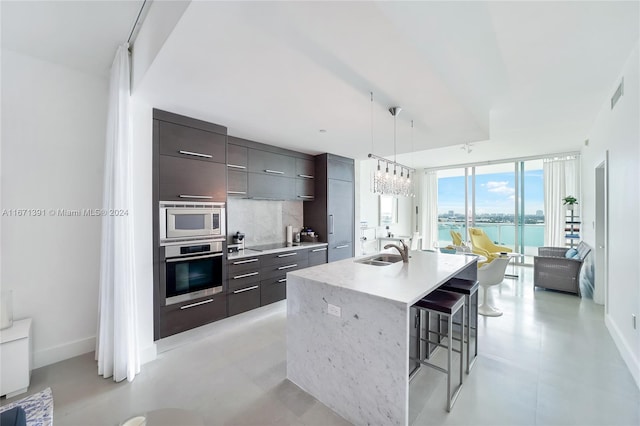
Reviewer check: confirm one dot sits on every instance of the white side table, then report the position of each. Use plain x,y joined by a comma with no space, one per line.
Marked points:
15,358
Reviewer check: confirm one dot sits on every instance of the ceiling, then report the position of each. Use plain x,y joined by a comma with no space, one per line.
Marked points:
83,35
513,78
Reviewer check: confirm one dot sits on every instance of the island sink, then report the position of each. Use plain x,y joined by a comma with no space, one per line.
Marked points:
381,259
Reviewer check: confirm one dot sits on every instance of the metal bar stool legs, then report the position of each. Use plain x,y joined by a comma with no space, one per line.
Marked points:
468,288
446,304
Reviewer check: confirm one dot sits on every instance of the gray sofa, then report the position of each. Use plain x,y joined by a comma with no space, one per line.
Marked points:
553,270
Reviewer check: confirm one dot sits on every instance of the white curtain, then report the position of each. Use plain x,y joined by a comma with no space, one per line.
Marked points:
117,341
429,202
561,179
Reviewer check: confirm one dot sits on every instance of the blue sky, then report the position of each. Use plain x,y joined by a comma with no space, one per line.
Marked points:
495,193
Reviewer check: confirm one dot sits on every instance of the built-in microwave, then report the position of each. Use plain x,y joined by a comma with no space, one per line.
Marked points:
191,220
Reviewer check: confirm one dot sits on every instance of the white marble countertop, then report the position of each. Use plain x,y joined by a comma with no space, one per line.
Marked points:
250,253
399,282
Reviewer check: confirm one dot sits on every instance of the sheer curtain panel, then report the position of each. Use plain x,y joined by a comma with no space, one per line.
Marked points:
117,338
561,178
429,209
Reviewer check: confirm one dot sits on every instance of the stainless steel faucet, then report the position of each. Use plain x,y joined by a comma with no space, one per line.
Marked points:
404,251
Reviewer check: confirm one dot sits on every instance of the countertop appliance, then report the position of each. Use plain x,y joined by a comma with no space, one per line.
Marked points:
193,270
182,221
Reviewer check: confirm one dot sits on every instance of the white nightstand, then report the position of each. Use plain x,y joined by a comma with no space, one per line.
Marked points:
15,358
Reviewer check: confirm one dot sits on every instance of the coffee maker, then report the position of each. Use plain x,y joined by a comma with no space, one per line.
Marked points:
238,242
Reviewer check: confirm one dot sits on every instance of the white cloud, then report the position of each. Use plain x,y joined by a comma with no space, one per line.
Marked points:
500,188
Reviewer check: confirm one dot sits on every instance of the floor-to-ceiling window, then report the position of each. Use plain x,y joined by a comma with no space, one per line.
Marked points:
503,199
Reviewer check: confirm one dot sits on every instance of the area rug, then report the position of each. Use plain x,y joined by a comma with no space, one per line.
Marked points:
38,408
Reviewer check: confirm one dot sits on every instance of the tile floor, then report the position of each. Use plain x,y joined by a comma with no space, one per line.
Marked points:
548,360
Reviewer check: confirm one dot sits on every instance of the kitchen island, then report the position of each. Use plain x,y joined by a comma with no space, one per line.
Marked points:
349,331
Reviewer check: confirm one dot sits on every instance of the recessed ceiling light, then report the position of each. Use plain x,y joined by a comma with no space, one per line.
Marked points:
323,130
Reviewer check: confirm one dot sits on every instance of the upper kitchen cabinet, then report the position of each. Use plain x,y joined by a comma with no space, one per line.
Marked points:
237,160
271,163
332,213
190,138
189,158
182,179
305,169
271,173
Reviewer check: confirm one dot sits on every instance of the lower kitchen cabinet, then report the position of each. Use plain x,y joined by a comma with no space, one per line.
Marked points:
244,299
317,256
185,316
273,290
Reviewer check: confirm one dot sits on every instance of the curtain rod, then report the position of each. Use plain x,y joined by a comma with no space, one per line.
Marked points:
138,23
506,160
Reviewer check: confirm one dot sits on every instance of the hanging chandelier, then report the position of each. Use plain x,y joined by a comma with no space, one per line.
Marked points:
387,182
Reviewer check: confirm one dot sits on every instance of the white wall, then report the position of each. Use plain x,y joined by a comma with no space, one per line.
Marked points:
618,131
53,131
367,209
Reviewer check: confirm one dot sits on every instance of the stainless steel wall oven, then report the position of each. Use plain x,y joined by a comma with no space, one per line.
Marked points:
192,270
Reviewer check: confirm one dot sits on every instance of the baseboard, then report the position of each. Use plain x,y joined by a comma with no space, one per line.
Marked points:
148,354
80,347
625,351
61,352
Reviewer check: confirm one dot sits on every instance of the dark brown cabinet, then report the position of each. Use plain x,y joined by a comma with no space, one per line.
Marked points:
332,212
237,155
305,169
187,142
244,284
188,180
265,172
245,299
273,290
271,163
269,187
185,316
189,164
317,256
237,160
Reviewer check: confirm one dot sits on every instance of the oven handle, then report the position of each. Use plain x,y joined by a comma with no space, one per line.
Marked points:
182,259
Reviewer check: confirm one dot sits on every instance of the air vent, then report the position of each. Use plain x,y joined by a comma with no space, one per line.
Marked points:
618,94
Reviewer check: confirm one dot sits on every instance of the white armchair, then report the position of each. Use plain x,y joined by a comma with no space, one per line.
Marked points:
490,274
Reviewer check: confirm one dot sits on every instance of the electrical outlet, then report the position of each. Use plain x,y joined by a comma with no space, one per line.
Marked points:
334,310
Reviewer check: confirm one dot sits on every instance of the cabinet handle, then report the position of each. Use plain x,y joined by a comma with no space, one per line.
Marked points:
245,289
331,224
287,267
237,192
186,258
305,196
341,247
242,262
195,154
320,249
203,197
277,172
306,176
287,254
235,166
282,280
196,304
251,274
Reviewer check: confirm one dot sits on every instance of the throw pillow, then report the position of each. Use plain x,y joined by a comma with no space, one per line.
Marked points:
571,254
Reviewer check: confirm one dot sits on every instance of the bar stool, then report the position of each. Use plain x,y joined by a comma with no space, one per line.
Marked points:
447,304
468,288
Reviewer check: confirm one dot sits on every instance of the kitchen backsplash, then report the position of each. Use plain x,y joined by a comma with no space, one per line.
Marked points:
263,221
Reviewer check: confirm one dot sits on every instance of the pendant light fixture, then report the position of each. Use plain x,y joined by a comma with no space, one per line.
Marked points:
386,183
